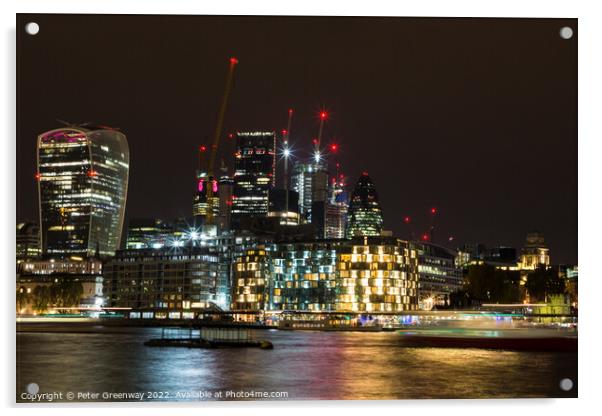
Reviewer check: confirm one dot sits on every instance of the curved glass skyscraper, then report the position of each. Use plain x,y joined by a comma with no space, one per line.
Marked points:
82,186
365,215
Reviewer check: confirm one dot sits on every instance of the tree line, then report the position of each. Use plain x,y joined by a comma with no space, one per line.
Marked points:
484,283
61,293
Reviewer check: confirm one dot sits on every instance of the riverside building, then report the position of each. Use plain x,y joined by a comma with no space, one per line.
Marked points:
439,275
164,281
367,274
55,274
177,280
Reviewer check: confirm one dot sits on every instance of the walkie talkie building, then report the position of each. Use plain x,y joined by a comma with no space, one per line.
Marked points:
82,186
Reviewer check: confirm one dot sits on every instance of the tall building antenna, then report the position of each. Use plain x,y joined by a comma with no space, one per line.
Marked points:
407,220
433,212
287,153
318,141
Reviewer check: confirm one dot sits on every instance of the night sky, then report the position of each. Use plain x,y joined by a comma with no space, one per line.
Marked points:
477,117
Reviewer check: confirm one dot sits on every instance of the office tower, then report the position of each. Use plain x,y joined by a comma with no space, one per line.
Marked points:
438,274
254,173
82,186
148,233
200,204
310,180
278,206
336,210
225,190
365,215
28,241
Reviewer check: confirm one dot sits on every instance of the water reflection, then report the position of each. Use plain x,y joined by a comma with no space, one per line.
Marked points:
307,365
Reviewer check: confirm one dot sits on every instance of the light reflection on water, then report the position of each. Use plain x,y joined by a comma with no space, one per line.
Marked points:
307,365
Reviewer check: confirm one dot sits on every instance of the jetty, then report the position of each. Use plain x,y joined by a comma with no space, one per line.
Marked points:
208,337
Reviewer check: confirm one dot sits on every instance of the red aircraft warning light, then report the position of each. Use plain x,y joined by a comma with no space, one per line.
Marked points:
233,61
323,115
425,237
334,147
433,210
37,176
406,220
203,148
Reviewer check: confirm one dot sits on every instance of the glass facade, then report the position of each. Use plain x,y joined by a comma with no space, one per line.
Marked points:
310,181
336,211
303,276
377,275
438,274
255,173
82,185
365,215
370,274
251,274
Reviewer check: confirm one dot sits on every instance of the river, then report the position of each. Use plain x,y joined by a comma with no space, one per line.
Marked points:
303,365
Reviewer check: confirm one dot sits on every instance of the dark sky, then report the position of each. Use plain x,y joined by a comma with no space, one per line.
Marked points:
477,117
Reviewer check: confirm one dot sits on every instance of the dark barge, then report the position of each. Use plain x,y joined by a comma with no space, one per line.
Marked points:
208,337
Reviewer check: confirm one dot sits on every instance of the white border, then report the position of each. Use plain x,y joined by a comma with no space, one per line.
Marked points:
590,191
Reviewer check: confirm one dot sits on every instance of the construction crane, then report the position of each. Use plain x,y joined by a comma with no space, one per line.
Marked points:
318,141
211,181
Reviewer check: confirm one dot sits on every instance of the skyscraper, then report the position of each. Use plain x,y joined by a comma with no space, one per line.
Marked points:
254,174
200,205
82,186
283,206
336,210
310,180
365,215
226,187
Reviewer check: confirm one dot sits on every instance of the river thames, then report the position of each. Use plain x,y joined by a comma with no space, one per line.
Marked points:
303,365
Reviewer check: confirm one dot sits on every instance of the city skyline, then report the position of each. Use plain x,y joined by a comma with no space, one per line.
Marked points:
493,194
